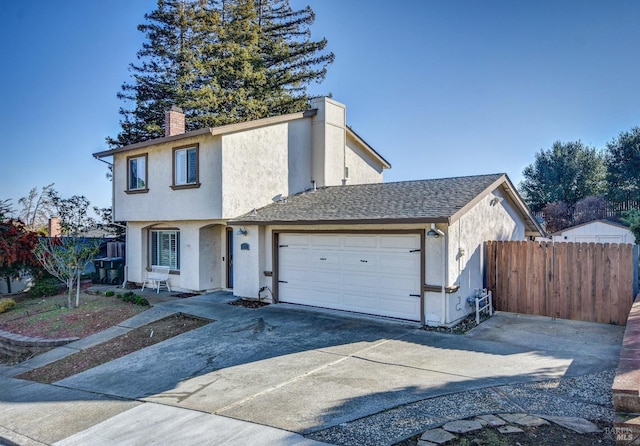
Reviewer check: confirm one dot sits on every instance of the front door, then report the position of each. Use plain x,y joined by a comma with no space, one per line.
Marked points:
229,257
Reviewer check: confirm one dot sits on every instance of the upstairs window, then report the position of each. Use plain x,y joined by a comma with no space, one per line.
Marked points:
165,248
185,167
137,173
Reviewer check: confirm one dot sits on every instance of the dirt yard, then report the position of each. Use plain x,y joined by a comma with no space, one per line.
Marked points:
49,317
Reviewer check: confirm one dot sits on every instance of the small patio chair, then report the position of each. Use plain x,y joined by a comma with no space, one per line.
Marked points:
157,277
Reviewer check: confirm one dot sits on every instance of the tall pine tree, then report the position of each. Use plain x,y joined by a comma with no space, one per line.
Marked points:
222,61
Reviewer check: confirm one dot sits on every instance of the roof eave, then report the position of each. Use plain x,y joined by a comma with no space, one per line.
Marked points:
372,221
223,129
533,227
385,164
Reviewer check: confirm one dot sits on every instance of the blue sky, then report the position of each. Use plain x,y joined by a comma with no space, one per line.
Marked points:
439,88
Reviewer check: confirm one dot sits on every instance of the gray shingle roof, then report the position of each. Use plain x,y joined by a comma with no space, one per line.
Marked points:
435,200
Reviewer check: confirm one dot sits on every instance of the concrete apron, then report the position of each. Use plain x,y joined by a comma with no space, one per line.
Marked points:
304,371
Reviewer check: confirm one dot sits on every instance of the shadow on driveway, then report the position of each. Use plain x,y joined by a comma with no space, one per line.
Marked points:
304,370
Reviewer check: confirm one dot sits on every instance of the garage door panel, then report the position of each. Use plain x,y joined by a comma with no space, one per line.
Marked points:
326,298
398,286
294,239
360,241
372,273
360,262
321,281
396,263
319,241
361,281
399,241
319,298
293,257
385,305
324,260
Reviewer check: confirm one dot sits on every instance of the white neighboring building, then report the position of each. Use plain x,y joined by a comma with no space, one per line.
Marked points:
597,231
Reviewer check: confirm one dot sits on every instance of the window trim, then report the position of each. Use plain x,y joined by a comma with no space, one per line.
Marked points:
150,247
195,185
128,190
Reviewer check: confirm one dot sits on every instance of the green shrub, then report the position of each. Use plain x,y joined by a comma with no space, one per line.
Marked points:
119,295
129,296
6,304
48,286
109,293
141,301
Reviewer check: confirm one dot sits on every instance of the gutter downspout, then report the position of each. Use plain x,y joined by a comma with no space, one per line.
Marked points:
445,273
113,217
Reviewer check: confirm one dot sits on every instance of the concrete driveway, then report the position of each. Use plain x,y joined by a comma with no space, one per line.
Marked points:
302,370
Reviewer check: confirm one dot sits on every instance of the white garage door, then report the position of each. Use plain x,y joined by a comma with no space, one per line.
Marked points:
367,273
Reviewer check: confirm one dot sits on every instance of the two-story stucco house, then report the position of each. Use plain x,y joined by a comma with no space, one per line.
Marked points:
293,209
176,193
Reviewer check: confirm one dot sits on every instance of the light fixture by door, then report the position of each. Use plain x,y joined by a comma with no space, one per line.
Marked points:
242,232
434,232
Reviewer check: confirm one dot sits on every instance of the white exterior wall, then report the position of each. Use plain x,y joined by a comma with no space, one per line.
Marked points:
467,235
255,166
362,168
596,232
162,202
299,160
248,263
435,274
201,247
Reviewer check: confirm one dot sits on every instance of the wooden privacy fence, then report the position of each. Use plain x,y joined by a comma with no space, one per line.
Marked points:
591,282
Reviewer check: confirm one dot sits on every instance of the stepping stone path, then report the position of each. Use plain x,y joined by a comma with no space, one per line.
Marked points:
462,426
508,429
504,422
437,436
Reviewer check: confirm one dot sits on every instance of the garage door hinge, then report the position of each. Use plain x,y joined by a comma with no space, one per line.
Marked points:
414,295
415,250
283,246
282,281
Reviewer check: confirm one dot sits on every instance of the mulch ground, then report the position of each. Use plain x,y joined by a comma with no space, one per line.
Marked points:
49,317
122,345
248,303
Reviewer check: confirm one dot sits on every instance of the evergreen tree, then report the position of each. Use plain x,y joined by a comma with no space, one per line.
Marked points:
222,61
292,59
623,166
160,78
567,173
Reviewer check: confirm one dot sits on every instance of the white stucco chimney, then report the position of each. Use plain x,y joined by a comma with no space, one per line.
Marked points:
174,121
328,139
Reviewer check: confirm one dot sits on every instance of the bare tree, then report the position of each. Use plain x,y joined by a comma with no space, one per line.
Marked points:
37,207
6,209
66,258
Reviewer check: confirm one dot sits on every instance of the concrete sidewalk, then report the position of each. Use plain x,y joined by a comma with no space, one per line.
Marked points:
288,372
